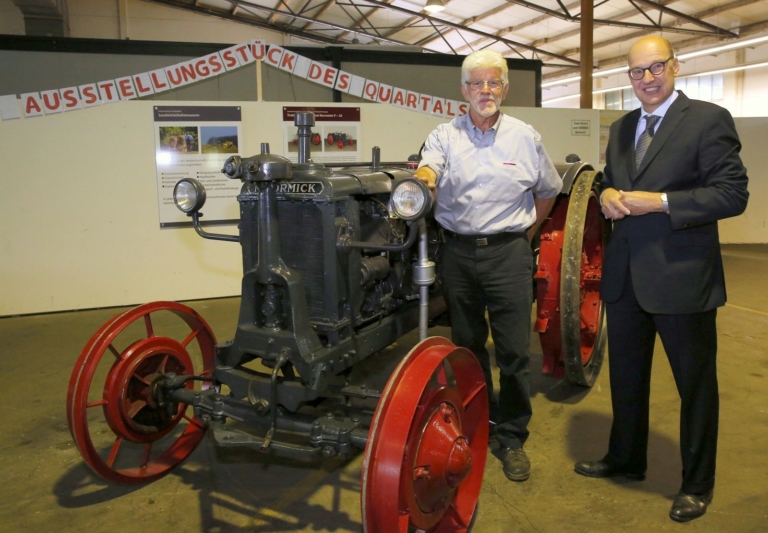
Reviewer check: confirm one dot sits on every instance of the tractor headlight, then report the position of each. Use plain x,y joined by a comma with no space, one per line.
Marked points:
411,199
189,195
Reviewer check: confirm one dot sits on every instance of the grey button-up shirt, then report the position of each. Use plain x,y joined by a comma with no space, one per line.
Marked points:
486,181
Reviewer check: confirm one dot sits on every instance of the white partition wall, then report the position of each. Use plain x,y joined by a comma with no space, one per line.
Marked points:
79,209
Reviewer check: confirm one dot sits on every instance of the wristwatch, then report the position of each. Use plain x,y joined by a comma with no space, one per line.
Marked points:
664,203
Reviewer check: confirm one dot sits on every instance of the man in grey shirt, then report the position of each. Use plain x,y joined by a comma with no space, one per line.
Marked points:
495,185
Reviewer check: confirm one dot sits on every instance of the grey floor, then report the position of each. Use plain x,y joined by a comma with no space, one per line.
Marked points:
46,486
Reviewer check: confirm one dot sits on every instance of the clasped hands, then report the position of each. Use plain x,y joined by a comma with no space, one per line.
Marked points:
619,204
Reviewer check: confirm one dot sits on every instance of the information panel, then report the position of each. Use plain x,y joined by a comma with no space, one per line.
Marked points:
194,142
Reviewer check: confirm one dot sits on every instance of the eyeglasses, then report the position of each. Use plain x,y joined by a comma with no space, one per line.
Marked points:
492,84
655,69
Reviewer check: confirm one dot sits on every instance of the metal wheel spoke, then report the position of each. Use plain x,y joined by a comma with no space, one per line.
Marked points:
117,354
148,325
141,379
441,374
146,455
135,408
161,367
193,421
190,337
403,520
114,451
456,516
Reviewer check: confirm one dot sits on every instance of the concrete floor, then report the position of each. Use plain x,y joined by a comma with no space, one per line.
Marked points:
47,487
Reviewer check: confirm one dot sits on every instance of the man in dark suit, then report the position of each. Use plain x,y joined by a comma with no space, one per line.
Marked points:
672,171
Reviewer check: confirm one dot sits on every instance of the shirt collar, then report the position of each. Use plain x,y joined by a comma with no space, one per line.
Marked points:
465,121
663,108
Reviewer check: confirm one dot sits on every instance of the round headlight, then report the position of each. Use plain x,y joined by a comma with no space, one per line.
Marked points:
189,195
411,199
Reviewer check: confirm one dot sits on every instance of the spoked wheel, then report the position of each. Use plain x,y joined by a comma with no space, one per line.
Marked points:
427,446
582,314
113,416
570,317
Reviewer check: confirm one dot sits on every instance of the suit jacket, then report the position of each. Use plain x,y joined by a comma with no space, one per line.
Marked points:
675,259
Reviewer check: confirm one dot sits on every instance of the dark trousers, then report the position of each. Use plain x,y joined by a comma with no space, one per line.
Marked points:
690,342
497,278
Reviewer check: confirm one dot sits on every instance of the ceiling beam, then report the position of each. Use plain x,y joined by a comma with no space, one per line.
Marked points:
441,22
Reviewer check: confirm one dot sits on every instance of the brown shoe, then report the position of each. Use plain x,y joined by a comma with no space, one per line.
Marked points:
689,506
517,467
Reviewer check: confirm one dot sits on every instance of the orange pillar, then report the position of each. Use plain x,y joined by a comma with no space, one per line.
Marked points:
585,54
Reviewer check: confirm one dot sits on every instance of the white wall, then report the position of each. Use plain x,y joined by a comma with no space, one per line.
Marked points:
752,226
79,213
78,202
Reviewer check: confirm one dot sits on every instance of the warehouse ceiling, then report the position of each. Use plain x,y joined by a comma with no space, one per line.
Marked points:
548,30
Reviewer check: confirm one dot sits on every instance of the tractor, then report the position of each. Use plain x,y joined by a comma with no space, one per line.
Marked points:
338,264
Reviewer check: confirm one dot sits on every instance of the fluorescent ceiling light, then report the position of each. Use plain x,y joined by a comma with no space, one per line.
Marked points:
708,73
683,57
433,6
725,47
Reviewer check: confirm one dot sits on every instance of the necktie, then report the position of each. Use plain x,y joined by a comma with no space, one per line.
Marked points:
645,139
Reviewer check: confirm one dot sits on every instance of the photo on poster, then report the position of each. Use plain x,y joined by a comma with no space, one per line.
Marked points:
341,138
180,139
335,137
316,141
219,139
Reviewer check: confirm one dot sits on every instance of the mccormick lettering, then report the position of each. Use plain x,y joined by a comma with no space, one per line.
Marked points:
299,188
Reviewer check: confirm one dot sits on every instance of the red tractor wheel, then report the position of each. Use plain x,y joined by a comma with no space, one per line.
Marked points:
316,139
427,446
340,144
120,430
570,314
331,138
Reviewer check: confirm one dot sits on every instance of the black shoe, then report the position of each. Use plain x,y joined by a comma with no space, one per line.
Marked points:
689,506
517,467
602,469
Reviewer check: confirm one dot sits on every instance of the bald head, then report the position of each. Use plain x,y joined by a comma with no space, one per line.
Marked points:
654,42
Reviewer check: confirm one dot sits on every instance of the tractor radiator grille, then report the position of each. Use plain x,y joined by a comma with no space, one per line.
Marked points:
301,240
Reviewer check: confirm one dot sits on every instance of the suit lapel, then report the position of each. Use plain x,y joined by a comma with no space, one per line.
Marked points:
672,118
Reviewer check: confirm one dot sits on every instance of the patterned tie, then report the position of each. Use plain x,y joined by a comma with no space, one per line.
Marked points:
645,139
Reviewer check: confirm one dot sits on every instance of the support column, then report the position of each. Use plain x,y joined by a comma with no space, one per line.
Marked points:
585,54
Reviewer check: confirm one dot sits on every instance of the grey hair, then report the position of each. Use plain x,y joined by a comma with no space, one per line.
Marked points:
484,59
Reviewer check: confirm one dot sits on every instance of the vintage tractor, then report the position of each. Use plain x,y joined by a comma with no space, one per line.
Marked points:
338,264
339,139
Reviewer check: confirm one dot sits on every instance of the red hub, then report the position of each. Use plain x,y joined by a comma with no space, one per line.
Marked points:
132,439
428,442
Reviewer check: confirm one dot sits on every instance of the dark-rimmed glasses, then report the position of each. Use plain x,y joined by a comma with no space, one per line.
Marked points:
656,69
493,85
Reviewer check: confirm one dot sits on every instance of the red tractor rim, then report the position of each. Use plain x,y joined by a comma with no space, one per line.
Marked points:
427,444
591,273
129,378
